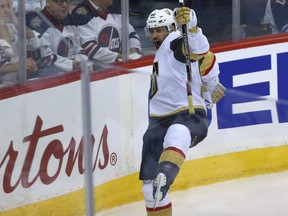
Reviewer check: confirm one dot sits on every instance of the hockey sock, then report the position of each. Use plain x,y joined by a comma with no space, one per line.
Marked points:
160,211
170,162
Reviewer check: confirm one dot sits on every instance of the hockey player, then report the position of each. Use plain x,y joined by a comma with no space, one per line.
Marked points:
101,32
172,130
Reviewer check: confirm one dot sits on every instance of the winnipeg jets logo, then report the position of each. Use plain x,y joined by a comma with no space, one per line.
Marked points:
66,48
109,37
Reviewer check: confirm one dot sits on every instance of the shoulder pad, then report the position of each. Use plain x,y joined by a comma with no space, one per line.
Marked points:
82,11
176,47
81,15
35,22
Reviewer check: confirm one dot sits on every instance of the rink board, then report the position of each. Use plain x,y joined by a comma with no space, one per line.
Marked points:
41,144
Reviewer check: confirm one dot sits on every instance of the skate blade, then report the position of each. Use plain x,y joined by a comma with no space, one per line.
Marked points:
160,183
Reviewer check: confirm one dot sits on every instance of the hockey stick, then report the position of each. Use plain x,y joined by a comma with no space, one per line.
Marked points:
188,65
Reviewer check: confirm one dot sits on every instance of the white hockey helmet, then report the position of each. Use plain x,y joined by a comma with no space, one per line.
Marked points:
160,18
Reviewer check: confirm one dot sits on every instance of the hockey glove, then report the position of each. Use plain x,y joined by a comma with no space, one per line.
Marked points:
216,90
206,96
186,16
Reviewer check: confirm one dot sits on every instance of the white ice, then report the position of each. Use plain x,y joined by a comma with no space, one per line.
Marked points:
263,195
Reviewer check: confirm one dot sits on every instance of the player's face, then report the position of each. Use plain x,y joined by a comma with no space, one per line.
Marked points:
158,35
59,9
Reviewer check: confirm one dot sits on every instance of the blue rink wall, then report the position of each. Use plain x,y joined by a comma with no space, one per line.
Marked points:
41,158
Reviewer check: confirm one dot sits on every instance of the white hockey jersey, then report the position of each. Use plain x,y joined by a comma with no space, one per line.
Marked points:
6,52
65,45
9,54
168,94
59,43
101,36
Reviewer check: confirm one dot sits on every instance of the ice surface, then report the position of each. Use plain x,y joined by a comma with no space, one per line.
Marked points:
263,195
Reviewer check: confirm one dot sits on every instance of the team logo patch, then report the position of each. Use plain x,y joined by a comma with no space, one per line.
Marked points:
66,48
109,37
36,22
81,11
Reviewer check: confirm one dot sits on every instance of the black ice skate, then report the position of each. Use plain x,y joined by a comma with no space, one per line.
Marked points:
160,188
